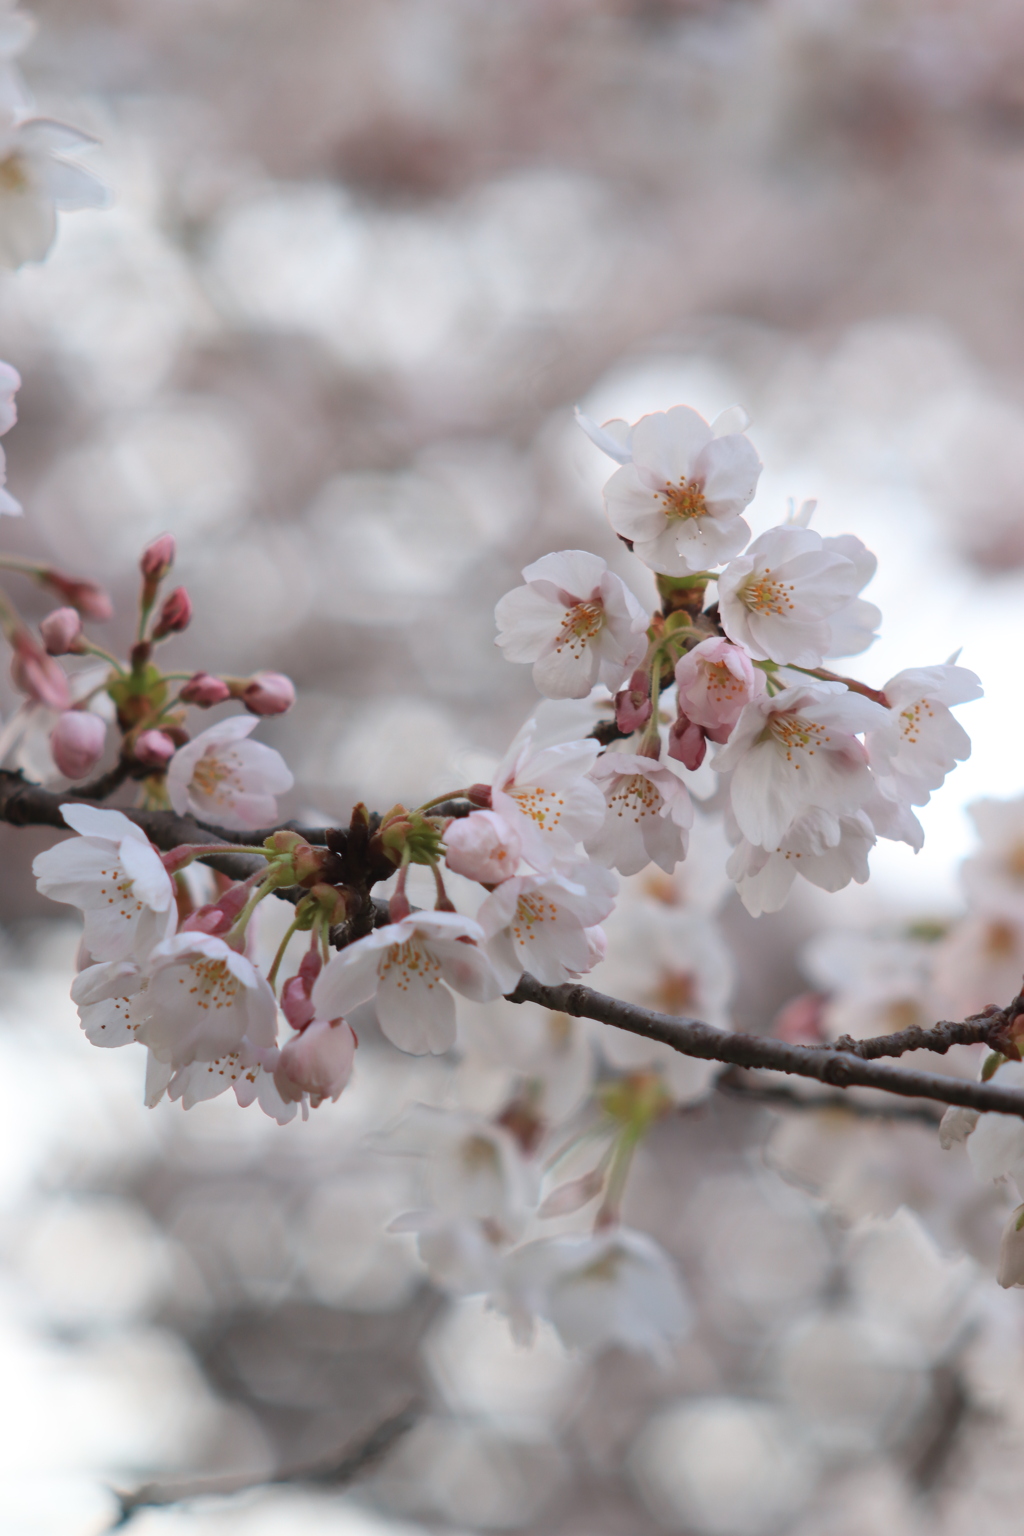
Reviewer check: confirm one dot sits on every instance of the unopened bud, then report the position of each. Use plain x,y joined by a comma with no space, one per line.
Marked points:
204,690
686,742
633,704
267,693
89,598
483,847
295,1003
60,630
216,917
37,674
175,614
158,557
154,749
77,742
480,794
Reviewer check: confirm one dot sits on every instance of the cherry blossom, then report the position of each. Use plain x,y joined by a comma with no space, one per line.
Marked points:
203,1000
316,1063
114,874
471,1168
482,846
798,752
617,1287
408,967
680,497
545,795
223,778
36,181
920,741
828,851
994,876
107,996
539,923
576,621
777,598
713,683
649,813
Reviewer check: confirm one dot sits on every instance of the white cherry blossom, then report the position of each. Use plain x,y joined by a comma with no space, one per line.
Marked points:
545,795
994,876
919,741
713,683
617,1287
408,967
576,621
107,996
795,753
680,497
777,598
828,851
203,1000
648,817
541,923
482,846
470,1169
35,181
221,777
114,874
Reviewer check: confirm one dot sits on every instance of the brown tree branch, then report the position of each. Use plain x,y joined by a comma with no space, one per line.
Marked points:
838,1068
737,1083
362,1456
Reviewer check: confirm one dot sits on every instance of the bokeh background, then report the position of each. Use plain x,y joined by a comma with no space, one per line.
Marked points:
363,258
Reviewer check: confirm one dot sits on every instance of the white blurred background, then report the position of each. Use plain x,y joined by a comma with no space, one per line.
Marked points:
364,257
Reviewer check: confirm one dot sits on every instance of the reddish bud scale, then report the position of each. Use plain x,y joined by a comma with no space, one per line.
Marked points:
175,614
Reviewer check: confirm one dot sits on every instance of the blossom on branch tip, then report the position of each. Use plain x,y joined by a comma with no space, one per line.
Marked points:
36,181
545,795
577,622
829,851
483,846
203,1000
680,497
648,814
795,753
114,874
77,742
777,598
542,923
408,967
221,777
919,741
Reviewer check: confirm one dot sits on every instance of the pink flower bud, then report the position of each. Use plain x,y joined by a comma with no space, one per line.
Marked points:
37,674
217,916
268,693
204,690
483,847
686,742
90,600
480,794
154,749
317,1062
295,1003
158,557
77,742
60,629
633,704
175,614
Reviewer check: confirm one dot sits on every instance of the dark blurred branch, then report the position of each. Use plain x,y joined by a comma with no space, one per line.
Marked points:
837,1067
736,1083
355,1460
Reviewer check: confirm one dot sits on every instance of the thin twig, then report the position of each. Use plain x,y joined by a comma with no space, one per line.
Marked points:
840,1069
362,1456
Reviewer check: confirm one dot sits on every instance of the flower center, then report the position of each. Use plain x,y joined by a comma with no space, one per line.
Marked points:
910,720
213,985
582,623
795,734
211,772
763,593
723,683
543,806
412,964
635,796
684,500
532,912
12,175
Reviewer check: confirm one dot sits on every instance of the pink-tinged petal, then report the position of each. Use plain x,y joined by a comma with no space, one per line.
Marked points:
348,979
90,821
527,622
468,971
576,572
634,510
565,673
